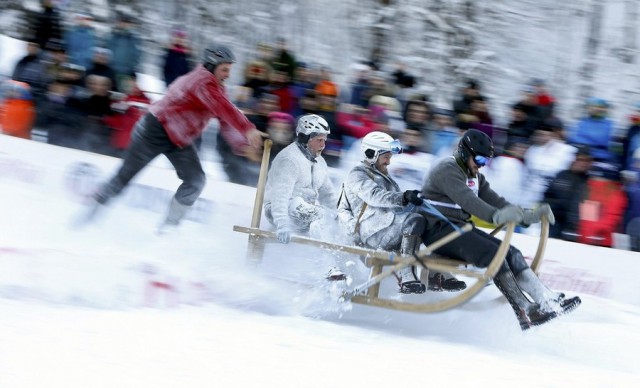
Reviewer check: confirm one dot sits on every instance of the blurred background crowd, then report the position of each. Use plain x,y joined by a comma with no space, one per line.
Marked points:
79,88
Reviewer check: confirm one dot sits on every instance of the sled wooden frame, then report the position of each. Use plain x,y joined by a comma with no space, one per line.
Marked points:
368,292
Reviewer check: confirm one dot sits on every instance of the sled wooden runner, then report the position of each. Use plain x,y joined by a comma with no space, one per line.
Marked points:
384,263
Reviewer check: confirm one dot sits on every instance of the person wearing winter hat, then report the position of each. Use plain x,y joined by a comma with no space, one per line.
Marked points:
595,130
177,58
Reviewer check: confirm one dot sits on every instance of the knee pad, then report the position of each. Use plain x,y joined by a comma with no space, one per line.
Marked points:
515,260
414,225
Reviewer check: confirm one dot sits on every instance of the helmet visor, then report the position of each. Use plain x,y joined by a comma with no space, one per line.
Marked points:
480,160
395,147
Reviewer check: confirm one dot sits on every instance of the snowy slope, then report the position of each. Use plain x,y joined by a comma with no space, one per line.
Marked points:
84,312
94,308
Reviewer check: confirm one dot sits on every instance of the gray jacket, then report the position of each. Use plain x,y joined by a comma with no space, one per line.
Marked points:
450,189
384,209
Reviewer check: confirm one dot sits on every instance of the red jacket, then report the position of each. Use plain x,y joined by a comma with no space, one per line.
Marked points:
610,203
355,124
191,101
122,124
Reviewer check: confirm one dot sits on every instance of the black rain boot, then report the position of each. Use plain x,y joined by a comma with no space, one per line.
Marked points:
439,281
528,314
407,279
541,294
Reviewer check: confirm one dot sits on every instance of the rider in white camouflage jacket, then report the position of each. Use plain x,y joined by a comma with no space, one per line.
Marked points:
373,210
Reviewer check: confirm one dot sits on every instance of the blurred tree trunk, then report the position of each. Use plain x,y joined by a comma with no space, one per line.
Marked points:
461,43
380,30
594,37
630,47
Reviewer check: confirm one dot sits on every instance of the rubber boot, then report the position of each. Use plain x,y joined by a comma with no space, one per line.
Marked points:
541,294
444,281
407,279
528,314
176,213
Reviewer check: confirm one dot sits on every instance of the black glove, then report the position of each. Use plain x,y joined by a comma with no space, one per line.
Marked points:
412,196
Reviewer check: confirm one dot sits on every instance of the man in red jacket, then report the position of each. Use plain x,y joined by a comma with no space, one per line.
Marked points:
170,128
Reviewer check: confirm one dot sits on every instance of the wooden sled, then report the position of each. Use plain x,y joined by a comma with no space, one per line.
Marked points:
384,263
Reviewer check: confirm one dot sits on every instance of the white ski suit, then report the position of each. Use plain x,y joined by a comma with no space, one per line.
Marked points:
299,190
380,224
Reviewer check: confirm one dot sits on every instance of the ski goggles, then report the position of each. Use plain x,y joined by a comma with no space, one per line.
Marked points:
481,161
395,147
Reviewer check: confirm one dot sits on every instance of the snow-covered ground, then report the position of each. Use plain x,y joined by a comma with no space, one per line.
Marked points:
99,307
85,314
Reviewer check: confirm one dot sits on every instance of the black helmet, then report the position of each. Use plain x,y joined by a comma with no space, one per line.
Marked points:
215,55
473,143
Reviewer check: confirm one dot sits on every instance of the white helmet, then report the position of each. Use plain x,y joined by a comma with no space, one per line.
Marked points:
311,125
377,143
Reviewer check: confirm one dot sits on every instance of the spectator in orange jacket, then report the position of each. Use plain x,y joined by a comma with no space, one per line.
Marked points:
325,86
17,111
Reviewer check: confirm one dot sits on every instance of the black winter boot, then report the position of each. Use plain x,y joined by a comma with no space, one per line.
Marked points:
567,305
528,314
439,281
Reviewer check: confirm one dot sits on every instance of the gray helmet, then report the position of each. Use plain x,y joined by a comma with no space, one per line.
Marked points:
215,55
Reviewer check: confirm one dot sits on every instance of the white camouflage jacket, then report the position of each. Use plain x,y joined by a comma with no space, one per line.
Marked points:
384,208
293,174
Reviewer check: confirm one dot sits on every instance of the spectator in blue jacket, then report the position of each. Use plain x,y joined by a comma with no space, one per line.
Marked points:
125,48
30,69
595,130
80,40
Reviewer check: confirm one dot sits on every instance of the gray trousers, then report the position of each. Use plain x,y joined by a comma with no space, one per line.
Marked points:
390,239
149,139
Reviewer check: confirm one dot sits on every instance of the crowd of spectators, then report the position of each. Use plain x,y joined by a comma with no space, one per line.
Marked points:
587,172
79,85
83,92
